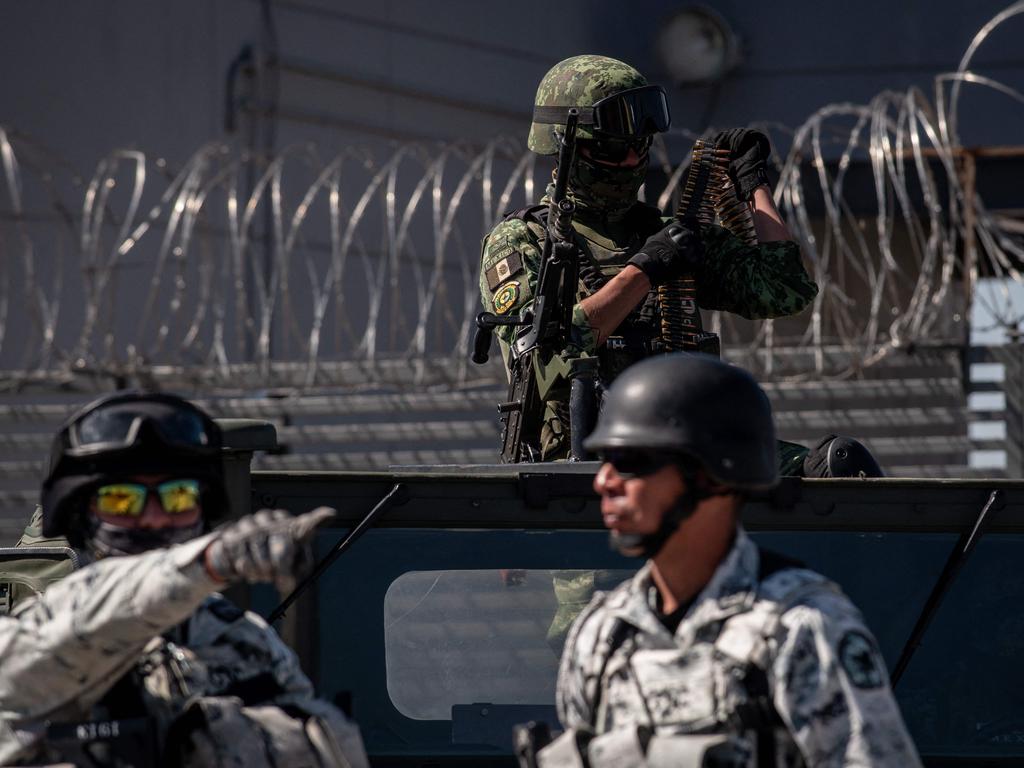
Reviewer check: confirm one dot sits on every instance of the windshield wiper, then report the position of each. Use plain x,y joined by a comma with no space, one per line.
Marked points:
957,559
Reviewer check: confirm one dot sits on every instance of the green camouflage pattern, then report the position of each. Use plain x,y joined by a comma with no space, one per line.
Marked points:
579,81
573,592
791,458
757,282
605,191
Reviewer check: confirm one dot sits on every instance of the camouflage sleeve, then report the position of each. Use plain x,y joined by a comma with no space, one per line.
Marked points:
73,641
509,268
831,688
754,281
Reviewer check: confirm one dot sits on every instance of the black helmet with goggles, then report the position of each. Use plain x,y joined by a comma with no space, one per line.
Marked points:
128,434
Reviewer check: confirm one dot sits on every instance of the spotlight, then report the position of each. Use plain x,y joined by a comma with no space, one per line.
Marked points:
696,45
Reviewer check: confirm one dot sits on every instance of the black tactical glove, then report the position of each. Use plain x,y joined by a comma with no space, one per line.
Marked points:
748,163
675,251
269,545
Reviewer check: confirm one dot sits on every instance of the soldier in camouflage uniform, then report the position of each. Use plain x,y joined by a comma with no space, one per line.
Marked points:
716,649
136,659
628,248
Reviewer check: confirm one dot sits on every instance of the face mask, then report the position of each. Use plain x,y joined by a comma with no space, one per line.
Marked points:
607,190
106,540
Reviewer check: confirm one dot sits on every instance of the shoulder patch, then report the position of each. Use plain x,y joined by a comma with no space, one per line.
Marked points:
509,266
506,296
860,660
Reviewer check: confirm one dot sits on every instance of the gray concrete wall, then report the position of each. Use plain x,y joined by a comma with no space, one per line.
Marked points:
86,77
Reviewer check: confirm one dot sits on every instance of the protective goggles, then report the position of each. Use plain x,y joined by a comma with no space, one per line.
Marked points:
639,111
115,425
634,463
177,497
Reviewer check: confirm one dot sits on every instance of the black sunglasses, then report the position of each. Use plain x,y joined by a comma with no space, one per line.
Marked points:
633,463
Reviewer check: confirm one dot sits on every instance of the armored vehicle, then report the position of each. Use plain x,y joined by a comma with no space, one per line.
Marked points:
439,628
438,621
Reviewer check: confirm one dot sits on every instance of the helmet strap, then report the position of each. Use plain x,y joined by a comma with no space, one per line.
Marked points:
648,545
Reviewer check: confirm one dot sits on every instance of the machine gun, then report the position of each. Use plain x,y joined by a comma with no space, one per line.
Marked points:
546,325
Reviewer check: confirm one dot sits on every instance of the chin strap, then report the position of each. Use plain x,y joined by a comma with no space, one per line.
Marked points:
649,544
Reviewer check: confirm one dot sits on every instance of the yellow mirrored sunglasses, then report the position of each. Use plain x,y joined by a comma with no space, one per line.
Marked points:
177,497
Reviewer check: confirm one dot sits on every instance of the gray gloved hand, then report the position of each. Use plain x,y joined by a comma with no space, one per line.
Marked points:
268,546
748,163
675,251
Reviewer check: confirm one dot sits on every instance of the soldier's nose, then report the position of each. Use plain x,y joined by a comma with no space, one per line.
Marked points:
606,478
152,514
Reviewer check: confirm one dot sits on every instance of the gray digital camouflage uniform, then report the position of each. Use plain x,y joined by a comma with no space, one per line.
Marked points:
825,677
62,652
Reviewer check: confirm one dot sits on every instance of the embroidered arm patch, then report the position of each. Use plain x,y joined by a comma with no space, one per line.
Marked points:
508,266
505,299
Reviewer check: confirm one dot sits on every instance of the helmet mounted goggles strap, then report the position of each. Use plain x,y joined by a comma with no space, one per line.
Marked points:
650,544
639,111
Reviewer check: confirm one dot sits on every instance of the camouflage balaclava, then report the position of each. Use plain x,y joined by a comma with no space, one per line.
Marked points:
605,191
600,190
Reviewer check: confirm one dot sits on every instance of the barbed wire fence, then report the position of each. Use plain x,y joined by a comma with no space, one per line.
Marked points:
273,286
240,272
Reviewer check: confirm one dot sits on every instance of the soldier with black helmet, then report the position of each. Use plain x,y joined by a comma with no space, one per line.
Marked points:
135,659
716,649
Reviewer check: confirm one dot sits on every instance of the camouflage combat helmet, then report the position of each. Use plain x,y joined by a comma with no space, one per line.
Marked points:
583,82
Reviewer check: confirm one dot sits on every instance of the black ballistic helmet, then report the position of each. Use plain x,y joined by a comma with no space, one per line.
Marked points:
696,405
130,433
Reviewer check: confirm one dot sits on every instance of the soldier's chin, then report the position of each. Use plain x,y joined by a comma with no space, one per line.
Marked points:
628,544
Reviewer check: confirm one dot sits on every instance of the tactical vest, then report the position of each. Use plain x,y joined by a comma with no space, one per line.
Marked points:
600,260
747,663
168,711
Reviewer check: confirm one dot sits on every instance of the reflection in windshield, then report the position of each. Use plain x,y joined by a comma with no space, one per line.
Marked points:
455,637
